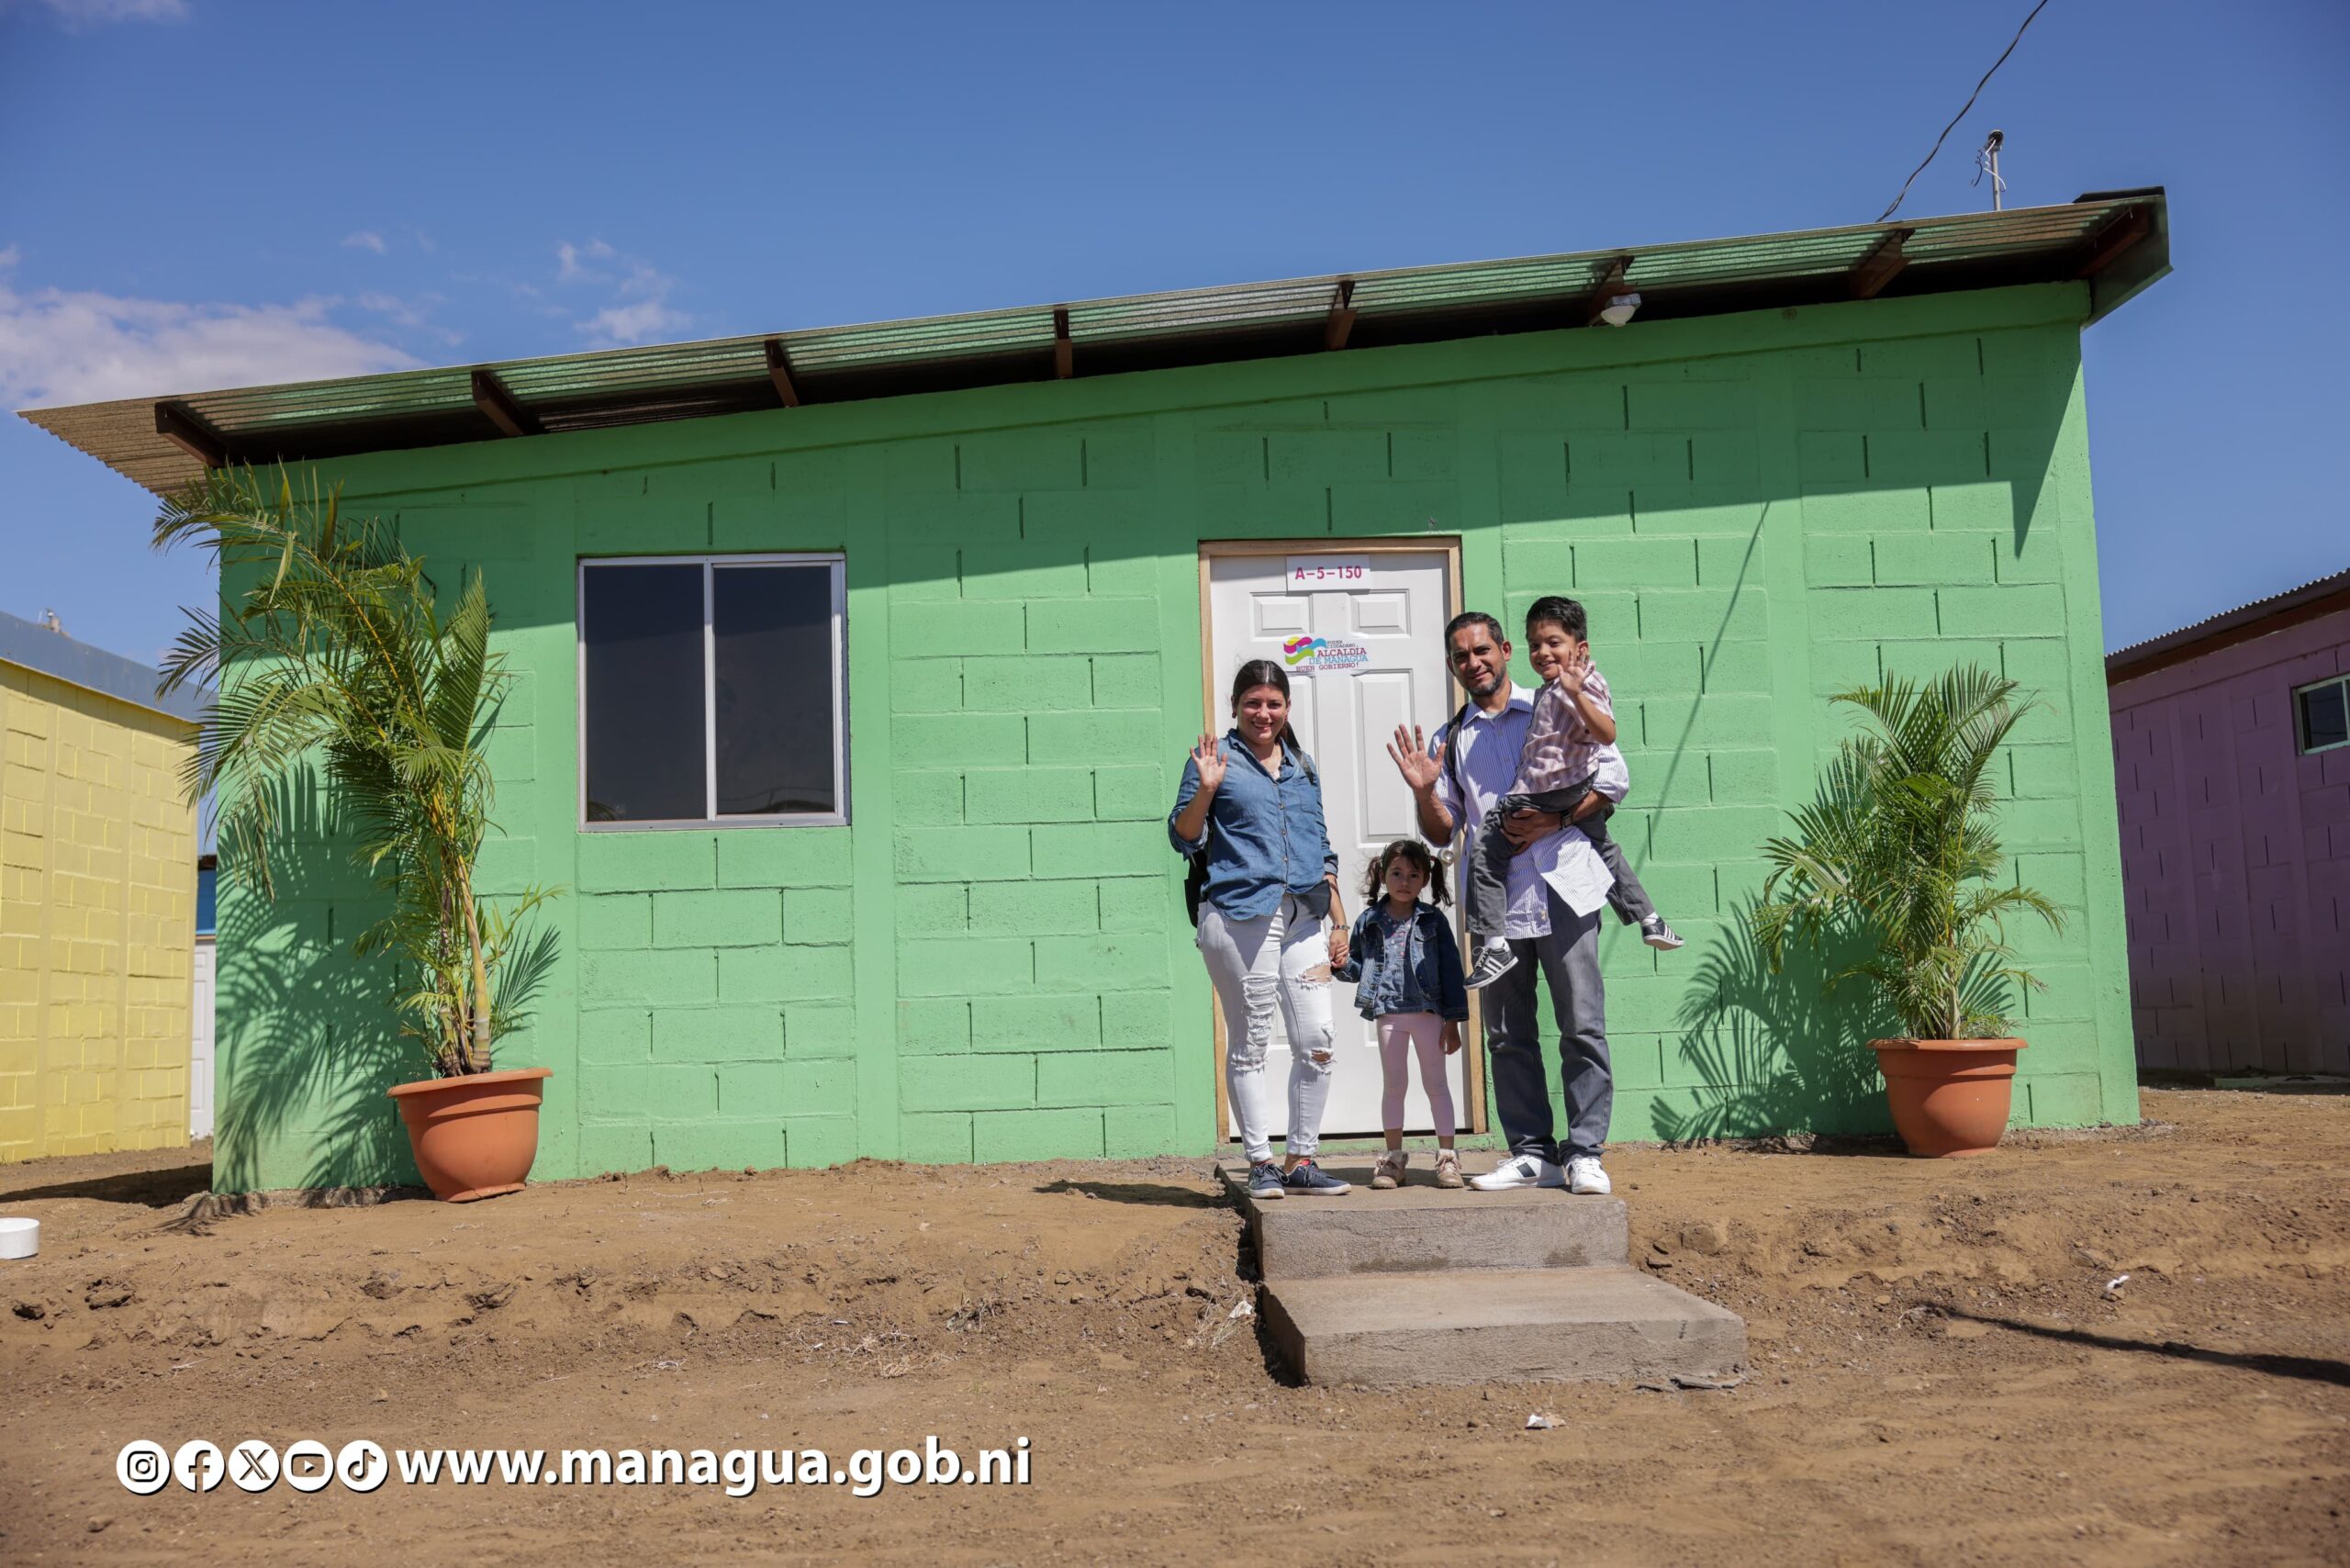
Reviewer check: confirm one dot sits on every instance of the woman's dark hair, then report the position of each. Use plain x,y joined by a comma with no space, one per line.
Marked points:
1265,672
1418,854
1565,614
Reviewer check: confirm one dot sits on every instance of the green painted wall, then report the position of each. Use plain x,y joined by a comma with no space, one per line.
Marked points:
991,961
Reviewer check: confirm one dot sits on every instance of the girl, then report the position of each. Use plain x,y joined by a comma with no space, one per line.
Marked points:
1250,809
1406,972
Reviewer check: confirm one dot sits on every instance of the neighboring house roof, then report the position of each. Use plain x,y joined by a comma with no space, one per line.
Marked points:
2258,619
2118,241
53,653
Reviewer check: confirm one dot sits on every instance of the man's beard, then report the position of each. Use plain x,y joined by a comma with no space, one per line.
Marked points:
1490,687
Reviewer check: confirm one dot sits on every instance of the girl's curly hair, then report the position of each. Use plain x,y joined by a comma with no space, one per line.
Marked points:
1418,854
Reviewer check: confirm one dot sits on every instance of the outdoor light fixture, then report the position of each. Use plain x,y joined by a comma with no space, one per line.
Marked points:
1619,309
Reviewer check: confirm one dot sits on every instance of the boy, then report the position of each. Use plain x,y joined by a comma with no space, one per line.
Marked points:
1570,754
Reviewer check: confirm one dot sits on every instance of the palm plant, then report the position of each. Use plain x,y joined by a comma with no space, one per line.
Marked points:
1900,849
330,651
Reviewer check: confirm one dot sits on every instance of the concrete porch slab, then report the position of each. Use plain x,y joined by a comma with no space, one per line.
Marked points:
1529,1326
1422,1228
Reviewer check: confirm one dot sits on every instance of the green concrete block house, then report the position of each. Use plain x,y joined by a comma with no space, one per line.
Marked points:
856,668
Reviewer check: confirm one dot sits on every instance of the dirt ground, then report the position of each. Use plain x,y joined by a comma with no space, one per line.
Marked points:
1941,1371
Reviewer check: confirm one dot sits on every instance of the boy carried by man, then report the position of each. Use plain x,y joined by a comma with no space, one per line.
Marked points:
1570,756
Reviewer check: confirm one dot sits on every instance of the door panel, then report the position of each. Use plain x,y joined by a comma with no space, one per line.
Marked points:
1365,653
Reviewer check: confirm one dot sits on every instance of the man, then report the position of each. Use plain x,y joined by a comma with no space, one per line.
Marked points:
1556,887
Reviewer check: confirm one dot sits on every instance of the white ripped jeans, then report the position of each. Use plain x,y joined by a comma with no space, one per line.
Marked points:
1279,960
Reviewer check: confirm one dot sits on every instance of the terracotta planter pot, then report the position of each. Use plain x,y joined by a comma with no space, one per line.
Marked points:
475,1136
1950,1098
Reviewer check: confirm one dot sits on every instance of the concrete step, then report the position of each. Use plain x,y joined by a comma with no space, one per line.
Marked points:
1515,1324
1420,1227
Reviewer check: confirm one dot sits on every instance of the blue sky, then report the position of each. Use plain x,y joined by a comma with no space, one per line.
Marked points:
204,192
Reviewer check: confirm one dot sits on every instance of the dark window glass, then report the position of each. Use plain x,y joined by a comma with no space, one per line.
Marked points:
641,629
773,628
207,881
2325,719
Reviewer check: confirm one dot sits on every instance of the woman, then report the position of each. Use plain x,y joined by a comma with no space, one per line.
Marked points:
1251,805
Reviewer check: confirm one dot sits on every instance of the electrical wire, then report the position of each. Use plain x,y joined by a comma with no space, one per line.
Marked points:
1920,169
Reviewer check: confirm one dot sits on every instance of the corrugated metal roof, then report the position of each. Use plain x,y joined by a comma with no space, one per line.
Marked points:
53,653
2320,595
2119,240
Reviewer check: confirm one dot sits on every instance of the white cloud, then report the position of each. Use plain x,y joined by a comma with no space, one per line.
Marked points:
79,14
621,326
413,312
80,346
365,240
640,292
569,257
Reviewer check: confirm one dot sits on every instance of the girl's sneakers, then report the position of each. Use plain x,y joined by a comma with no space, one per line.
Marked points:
1448,1169
1388,1173
1307,1180
1265,1180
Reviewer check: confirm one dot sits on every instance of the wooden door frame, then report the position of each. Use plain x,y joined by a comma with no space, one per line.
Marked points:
1449,546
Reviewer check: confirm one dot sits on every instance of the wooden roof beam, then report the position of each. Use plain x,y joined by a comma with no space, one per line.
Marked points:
1611,283
179,425
492,397
2105,247
1880,266
1341,320
780,372
1064,351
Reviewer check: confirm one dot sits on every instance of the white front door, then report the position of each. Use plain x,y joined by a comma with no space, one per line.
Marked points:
1360,630
199,1053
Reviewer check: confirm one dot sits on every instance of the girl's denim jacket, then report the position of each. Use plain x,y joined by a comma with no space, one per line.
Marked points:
1432,959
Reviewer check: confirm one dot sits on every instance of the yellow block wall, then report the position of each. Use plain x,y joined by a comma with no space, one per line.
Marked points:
97,922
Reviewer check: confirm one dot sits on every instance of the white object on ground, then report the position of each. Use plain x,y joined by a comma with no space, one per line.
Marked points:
1244,1307
2116,1282
1538,1422
20,1238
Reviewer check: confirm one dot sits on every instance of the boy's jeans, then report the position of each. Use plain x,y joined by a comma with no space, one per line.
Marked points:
1484,891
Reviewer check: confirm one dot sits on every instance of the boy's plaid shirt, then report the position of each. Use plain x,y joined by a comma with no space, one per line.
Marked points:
1559,746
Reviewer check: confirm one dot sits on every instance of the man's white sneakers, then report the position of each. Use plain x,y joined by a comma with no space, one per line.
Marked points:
1521,1171
1585,1176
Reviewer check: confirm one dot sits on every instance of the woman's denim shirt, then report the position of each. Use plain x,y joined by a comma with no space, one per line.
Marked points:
1431,980
1264,836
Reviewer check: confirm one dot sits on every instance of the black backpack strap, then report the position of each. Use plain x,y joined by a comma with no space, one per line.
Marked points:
1450,735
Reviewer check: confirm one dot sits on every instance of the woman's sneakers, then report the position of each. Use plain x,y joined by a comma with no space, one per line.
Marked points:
1307,1180
1388,1173
1265,1180
1495,959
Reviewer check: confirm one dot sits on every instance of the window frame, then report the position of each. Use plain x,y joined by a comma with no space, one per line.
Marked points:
711,563
2300,725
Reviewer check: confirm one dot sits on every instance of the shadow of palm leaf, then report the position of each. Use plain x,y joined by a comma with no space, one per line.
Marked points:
1774,1053
311,1035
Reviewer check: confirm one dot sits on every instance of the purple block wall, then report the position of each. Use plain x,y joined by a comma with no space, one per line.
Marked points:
2236,859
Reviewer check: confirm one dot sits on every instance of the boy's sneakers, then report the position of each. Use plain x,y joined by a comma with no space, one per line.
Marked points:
1519,1170
1308,1179
1585,1176
1448,1168
1658,934
1388,1174
1265,1180
1495,959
